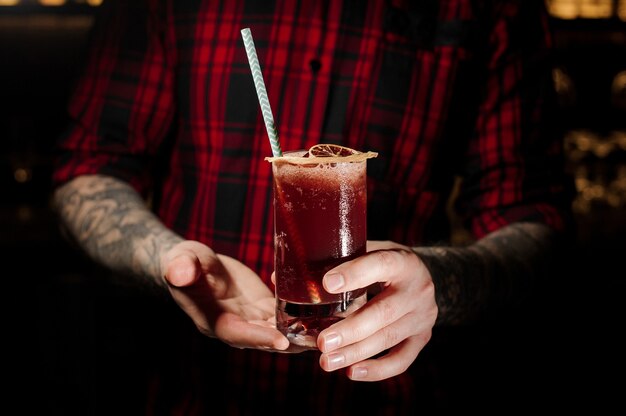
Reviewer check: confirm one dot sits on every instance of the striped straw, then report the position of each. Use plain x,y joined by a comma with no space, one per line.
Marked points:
259,84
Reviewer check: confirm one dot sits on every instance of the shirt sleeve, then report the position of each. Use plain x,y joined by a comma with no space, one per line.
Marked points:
122,106
514,170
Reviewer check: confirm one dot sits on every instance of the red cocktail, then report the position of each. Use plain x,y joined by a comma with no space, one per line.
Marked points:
320,207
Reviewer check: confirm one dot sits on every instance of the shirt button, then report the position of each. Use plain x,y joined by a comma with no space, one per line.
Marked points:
315,65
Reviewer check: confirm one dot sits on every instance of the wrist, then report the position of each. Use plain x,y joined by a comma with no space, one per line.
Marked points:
447,267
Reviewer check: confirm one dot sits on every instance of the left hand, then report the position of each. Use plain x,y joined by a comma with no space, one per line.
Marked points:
399,319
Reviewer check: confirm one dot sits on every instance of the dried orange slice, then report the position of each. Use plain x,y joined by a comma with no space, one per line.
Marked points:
328,152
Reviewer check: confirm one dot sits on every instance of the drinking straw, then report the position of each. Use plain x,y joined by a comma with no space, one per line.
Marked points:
259,84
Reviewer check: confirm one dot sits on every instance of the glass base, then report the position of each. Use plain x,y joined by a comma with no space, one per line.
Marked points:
302,323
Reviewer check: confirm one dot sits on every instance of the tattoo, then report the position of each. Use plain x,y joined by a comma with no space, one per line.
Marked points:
113,224
495,272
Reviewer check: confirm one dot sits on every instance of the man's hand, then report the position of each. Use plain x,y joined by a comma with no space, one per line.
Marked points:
223,297
398,320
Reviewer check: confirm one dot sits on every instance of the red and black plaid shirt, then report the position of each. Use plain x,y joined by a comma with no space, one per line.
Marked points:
440,89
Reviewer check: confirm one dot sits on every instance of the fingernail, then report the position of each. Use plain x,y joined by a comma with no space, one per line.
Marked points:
359,372
334,281
331,341
336,360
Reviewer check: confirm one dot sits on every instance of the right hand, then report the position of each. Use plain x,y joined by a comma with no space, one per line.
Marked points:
224,298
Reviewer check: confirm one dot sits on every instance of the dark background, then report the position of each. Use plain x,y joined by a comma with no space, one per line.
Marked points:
83,343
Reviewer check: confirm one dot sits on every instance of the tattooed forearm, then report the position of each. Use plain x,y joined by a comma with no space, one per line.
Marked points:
496,271
111,221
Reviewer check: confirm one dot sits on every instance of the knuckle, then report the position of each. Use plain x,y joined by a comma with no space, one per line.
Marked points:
385,310
390,338
386,258
430,289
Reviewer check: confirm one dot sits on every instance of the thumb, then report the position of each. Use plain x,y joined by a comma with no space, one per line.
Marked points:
183,270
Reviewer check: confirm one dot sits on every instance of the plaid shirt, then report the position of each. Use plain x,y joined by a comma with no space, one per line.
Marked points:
440,90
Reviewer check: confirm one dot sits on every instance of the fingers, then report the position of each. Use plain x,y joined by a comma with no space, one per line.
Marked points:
398,320
183,264
376,266
380,315
183,270
395,362
388,337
